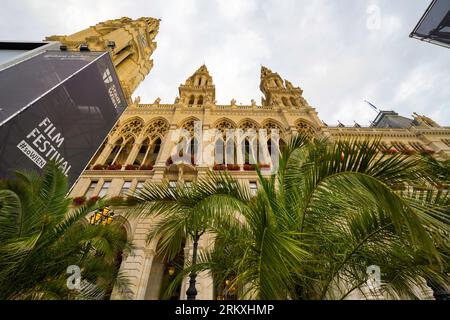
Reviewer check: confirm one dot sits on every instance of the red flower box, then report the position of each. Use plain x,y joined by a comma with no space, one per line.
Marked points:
131,167
219,167
79,201
115,167
148,167
264,166
249,167
99,167
233,167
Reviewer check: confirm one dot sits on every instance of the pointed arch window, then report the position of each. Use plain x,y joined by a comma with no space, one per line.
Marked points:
124,152
247,152
191,100
230,151
115,152
200,101
285,102
219,151
143,151
156,148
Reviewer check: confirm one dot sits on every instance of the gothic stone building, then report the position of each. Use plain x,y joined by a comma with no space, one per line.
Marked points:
138,149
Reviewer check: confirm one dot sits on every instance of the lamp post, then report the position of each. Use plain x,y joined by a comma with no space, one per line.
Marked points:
102,216
191,292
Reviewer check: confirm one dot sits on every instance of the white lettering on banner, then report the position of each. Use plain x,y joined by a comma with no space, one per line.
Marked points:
32,154
112,90
44,143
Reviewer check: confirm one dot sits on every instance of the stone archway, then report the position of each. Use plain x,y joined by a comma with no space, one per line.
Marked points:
162,273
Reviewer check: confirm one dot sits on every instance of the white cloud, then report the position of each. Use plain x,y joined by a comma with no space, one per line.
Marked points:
323,46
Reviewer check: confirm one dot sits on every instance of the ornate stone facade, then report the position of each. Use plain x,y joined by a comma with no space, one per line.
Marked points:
138,149
131,43
141,141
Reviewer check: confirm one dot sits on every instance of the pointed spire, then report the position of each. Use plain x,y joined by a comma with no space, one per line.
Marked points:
202,69
198,88
265,71
201,73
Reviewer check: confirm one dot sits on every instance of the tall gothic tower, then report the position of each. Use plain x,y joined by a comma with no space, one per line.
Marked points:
131,43
278,91
198,89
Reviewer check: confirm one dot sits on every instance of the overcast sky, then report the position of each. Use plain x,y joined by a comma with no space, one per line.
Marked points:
339,52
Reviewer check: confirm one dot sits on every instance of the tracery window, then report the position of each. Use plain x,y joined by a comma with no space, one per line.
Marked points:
303,126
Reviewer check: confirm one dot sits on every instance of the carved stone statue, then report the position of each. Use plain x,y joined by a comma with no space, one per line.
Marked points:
289,84
253,103
157,101
137,100
233,102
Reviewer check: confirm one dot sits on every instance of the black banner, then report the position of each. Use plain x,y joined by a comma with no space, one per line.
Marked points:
57,106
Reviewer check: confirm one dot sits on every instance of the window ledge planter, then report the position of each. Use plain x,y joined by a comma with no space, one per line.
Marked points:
233,167
79,201
131,167
99,167
219,167
249,167
146,167
115,167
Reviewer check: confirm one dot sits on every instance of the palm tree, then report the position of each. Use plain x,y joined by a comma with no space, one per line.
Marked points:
186,213
313,230
40,237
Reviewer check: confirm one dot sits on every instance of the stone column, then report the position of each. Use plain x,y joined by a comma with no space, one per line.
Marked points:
147,267
104,154
133,153
136,265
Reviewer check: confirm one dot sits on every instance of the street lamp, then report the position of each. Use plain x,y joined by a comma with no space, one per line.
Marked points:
102,216
171,271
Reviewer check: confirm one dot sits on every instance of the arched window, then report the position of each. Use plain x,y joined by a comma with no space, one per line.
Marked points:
230,151
125,151
192,147
246,152
250,151
305,127
269,146
191,100
143,151
156,148
200,81
115,151
219,151
294,102
200,101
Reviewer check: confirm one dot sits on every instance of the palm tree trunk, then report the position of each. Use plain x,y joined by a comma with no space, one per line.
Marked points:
192,291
